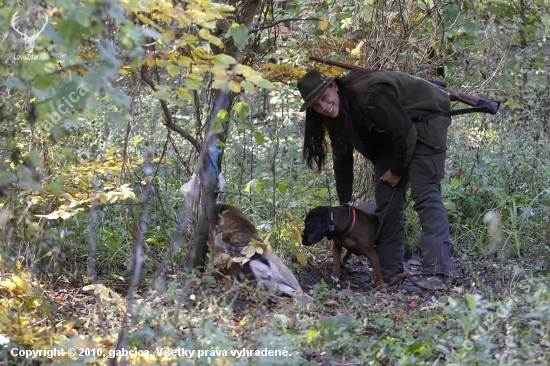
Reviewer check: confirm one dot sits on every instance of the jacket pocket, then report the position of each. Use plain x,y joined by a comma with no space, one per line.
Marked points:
433,132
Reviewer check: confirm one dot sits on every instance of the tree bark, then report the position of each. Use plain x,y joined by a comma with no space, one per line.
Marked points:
211,153
209,169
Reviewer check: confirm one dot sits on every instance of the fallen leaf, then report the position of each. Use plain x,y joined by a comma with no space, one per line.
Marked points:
301,259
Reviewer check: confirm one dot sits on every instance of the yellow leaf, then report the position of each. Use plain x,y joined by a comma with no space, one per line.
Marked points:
168,35
294,221
126,69
104,293
184,61
184,94
323,23
223,260
204,33
311,335
259,250
64,214
81,70
110,152
295,233
357,50
70,326
301,259
245,71
150,60
52,216
255,243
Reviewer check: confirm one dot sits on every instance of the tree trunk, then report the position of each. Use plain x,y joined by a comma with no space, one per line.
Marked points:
211,154
209,169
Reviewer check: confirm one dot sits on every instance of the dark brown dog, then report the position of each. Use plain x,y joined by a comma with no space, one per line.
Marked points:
354,229
230,232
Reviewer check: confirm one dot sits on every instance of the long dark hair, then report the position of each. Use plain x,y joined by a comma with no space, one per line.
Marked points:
315,146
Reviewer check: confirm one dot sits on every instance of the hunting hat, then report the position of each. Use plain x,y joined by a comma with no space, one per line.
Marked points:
312,85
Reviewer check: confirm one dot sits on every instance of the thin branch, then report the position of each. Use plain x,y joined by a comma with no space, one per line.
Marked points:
168,115
279,22
280,75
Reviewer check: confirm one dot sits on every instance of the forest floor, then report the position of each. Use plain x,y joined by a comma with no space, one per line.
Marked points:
309,327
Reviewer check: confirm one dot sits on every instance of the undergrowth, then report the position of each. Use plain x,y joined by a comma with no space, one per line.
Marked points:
227,323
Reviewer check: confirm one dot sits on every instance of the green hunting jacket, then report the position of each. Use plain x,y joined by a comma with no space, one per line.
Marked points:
382,120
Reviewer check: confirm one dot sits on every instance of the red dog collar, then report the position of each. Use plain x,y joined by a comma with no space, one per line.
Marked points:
351,223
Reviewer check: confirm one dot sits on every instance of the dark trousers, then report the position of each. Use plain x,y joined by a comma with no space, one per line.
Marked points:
424,176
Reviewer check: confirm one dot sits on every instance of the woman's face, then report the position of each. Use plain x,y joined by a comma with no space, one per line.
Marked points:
328,103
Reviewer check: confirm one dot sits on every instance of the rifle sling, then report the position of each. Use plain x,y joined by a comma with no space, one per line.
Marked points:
478,109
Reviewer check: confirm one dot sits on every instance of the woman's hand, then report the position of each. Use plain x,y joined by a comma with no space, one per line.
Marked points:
391,179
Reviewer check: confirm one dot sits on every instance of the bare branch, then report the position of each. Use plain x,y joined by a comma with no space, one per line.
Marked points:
168,115
279,22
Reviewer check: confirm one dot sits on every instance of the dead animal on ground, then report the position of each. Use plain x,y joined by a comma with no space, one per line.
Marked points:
351,228
241,253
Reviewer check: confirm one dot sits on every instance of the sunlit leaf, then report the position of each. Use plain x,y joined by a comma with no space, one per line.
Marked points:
311,335
295,233
150,60
172,69
247,86
301,259
223,60
110,152
259,137
357,50
346,22
194,82
323,23
184,94
234,86
239,33
282,186
242,110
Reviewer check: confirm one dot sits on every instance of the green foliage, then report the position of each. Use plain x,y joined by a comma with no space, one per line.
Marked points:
77,128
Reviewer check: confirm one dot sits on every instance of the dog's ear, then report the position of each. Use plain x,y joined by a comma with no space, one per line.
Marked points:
317,229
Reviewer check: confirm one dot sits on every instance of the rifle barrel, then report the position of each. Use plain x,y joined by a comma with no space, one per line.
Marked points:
490,106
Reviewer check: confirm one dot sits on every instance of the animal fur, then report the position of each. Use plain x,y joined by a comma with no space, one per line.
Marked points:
358,240
230,232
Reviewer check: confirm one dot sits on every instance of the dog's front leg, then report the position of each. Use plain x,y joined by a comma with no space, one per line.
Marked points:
346,257
375,262
336,253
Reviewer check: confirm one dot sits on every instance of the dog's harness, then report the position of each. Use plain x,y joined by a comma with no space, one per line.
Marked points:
352,218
